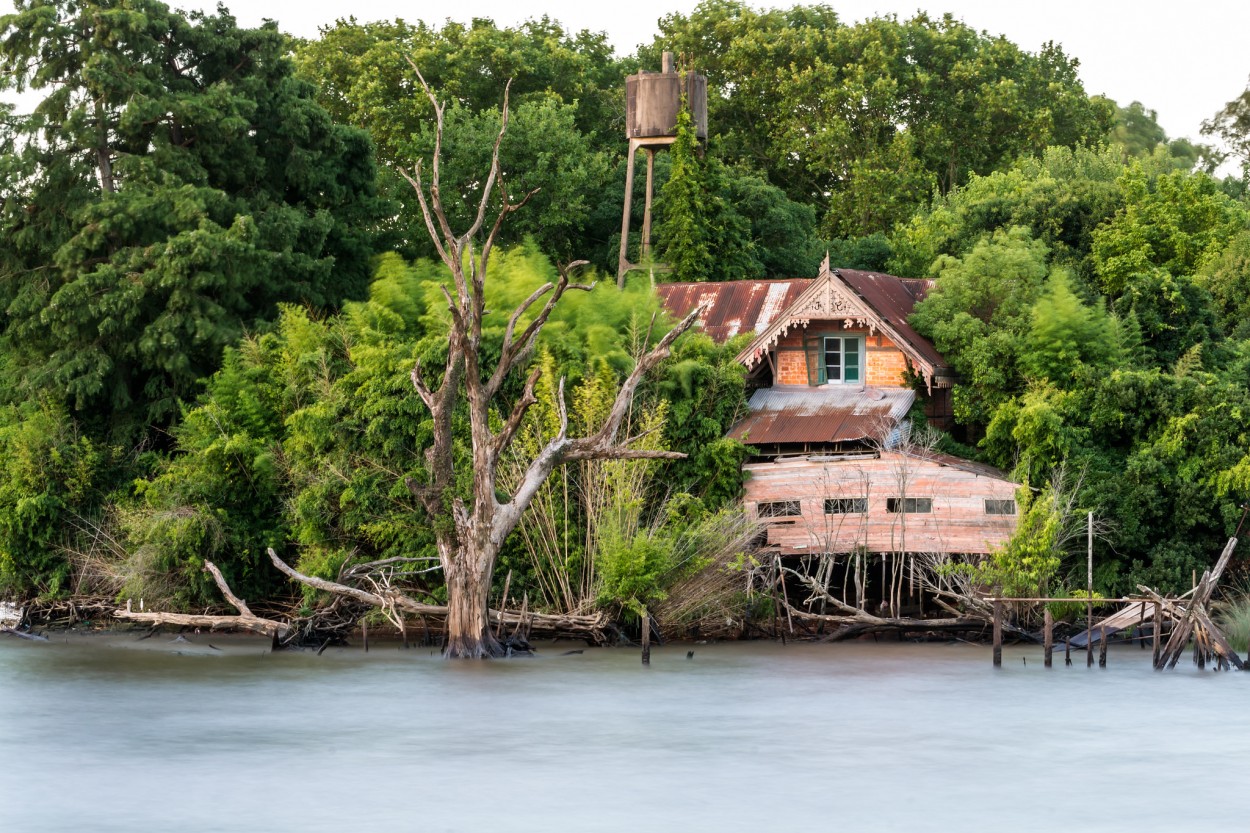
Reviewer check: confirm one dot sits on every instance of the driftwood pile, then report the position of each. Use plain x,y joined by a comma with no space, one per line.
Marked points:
850,622
1193,619
345,612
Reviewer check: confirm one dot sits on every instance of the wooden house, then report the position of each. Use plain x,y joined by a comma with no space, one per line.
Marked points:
836,368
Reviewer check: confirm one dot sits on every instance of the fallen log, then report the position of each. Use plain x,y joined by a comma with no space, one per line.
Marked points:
35,637
596,629
245,621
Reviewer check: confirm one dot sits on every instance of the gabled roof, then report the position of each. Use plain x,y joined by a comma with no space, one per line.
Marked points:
732,307
893,299
770,309
789,414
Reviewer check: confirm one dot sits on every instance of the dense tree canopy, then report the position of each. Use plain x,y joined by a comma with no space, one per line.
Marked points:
175,182
215,282
868,119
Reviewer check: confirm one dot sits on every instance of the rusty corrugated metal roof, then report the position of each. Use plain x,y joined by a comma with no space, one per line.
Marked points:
894,299
970,466
733,307
830,414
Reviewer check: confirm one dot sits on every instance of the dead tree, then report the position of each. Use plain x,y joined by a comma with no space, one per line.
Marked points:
470,529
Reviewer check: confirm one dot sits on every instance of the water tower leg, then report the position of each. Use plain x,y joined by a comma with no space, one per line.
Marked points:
646,214
622,263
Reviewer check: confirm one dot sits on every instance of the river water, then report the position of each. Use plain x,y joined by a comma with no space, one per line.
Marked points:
106,733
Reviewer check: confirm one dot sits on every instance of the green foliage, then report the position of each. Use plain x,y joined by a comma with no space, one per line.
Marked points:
979,314
637,566
1227,279
565,95
174,184
1061,195
1178,223
1233,618
700,236
49,474
872,253
1232,126
1137,134
1068,337
865,120
1029,562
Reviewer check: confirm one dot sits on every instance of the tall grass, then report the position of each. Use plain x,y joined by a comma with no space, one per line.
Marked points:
1233,618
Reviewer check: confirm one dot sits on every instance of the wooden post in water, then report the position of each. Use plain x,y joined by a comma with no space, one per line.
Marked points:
1102,647
1089,595
998,634
1158,632
1048,636
364,630
646,637
503,605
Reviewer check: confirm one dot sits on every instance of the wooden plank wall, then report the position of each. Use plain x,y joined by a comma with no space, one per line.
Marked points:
957,524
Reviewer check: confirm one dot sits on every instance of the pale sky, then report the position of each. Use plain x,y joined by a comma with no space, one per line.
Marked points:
1184,60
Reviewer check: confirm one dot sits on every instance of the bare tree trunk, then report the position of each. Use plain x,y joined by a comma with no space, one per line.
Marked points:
469,632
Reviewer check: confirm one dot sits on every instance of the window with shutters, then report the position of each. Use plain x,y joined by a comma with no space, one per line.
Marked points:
842,359
835,360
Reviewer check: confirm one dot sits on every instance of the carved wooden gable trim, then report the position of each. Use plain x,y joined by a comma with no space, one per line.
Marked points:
829,299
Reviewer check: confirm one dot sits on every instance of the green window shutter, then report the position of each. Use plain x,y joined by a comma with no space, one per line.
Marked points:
813,349
850,360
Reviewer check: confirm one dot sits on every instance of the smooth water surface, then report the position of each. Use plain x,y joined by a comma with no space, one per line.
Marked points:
105,733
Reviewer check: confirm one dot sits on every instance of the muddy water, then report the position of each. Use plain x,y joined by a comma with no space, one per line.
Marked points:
109,734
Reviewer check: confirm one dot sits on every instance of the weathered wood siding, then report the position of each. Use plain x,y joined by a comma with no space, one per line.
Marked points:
958,522
885,363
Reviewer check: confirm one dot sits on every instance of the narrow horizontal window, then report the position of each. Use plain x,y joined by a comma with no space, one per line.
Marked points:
1000,507
909,504
845,505
779,509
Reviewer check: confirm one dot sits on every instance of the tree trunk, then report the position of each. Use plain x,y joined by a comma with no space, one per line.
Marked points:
469,634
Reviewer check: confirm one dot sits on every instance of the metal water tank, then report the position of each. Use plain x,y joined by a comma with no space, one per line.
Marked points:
653,100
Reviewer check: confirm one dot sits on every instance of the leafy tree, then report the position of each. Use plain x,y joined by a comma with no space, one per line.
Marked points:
1227,279
688,233
48,471
865,120
1137,134
978,315
1232,126
175,183
566,122
1177,222
745,52
1068,336
1061,195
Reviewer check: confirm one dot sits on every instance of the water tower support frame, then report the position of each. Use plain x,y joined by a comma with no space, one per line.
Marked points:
650,145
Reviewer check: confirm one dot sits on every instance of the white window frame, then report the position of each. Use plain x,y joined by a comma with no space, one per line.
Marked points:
842,352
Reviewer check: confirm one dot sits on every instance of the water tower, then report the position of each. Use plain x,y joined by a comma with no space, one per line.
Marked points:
652,102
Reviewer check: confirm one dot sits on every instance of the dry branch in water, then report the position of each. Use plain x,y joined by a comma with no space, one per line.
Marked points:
246,620
596,629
